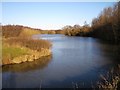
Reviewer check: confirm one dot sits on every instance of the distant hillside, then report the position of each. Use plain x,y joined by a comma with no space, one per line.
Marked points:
19,30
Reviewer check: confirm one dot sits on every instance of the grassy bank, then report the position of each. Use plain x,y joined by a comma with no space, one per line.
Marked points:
10,52
18,46
19,54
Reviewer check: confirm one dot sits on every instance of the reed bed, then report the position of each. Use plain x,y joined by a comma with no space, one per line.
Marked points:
111,81
29,43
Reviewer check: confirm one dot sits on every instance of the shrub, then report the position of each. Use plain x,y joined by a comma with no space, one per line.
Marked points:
11,30
29,43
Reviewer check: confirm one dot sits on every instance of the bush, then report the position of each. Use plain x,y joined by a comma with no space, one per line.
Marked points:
11,30
29,43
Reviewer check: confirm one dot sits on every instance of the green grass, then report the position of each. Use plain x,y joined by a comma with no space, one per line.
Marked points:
11,52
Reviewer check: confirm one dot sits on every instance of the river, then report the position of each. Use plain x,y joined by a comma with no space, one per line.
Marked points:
74,60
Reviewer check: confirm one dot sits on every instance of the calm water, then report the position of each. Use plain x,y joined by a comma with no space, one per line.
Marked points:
78,60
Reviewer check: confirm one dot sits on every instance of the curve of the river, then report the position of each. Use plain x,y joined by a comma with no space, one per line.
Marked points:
78,60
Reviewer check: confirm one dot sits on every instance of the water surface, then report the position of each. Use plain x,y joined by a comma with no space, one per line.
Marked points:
78,60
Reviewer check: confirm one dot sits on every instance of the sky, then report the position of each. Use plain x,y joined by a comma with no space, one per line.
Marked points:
51,15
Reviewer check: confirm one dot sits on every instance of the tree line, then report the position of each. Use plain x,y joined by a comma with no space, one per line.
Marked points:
15,30
105,26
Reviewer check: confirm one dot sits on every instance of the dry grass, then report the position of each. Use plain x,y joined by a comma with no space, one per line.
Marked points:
17,41
26,32
15,35
29,43
111,81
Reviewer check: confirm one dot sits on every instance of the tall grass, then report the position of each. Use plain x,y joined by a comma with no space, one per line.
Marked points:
111,81
17,42
19,35
29,43
26,32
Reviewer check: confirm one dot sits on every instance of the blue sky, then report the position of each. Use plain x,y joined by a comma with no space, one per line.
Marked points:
51,15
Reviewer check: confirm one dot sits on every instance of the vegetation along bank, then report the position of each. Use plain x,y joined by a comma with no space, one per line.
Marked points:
18,46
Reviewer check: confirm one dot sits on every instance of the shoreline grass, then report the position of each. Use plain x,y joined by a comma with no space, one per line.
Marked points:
17,42
111,81
10,52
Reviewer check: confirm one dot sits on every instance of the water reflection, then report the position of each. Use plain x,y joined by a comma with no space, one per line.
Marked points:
74,59
111,51
28,66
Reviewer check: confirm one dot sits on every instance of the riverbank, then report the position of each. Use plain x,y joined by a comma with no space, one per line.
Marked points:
18,46
23,55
